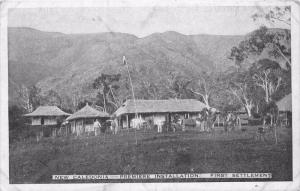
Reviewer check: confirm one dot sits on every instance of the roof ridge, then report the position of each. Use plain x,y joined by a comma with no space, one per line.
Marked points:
47,111
47,106
163,105
161,99
88,112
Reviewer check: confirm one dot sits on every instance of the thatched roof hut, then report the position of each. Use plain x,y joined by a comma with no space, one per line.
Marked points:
160,106
47,111
285,104
88,112
83,120
47,116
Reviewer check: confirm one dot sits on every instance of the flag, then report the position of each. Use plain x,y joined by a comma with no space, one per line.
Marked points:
124,60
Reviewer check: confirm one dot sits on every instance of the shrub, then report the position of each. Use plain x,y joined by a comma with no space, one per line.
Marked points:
17,123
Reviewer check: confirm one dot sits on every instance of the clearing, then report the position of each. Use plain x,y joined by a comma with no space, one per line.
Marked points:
180,152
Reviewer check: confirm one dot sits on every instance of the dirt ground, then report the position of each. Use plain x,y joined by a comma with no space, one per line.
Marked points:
180,152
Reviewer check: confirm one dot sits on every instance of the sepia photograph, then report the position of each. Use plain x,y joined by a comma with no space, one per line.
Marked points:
137,94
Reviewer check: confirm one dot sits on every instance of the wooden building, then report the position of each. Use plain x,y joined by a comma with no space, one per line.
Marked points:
82,121
157,111
46,120
285,110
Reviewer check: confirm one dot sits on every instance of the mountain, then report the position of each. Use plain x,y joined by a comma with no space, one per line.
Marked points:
68,63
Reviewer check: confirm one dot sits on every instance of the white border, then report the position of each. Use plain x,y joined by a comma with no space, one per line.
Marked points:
295,185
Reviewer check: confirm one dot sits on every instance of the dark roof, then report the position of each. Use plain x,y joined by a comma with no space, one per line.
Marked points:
87,112
160,106
47,111
285,104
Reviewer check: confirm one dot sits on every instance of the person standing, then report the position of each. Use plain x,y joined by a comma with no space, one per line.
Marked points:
183,124
97,127
159,126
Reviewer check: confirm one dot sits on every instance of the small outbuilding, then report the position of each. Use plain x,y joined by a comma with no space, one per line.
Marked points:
46,120
285,104
83,120
285,110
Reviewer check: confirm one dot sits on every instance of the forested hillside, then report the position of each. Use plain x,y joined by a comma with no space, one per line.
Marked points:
60,69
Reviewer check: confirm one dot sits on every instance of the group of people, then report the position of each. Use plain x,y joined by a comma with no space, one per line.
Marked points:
208,118
205,123
109,125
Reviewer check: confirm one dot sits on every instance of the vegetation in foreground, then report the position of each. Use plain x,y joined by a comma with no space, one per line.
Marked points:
180,152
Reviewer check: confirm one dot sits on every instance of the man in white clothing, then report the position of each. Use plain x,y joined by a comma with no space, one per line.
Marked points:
97,127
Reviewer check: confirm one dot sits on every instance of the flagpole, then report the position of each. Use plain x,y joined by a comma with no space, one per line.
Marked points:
132,90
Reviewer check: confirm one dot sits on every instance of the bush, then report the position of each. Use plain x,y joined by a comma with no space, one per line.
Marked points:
254,121
190,123
17,123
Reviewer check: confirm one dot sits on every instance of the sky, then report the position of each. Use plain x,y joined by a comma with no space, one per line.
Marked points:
140,21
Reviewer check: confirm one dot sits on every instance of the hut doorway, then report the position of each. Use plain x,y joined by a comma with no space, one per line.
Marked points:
42,121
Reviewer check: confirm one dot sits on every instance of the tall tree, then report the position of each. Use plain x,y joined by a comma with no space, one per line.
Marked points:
149,90
277,43
177,85
34,96
268,76
242,86
274,15
203,87
30,97
51,97
281,44
23,93
107,84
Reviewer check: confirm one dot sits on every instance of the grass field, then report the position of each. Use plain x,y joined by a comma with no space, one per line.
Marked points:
180,152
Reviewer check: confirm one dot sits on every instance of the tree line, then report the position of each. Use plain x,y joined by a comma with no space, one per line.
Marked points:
260,76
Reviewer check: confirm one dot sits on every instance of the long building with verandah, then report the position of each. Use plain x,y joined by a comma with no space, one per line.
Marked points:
83,120
47,119
157,110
